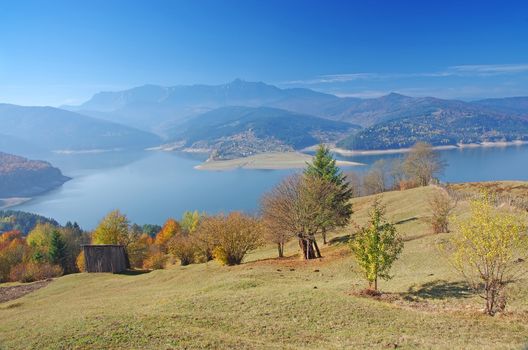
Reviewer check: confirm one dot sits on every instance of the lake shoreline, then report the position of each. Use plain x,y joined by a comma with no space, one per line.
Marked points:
266,161
346,152
13,202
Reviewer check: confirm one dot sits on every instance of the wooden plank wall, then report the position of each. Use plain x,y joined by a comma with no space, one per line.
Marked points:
105,258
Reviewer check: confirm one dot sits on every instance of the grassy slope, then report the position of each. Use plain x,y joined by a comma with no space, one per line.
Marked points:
271,304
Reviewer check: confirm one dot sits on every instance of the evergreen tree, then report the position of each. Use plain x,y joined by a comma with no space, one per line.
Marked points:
324,166
57,250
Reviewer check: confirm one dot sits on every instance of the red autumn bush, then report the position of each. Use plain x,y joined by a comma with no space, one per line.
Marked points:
30,272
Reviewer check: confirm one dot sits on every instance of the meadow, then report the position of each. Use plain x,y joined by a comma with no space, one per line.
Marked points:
269,303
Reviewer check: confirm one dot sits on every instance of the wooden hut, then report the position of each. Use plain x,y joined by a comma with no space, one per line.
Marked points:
105,258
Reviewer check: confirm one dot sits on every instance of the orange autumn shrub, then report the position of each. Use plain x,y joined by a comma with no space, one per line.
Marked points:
30,272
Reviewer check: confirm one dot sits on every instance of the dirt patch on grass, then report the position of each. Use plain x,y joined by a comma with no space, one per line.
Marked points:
15,292
330,255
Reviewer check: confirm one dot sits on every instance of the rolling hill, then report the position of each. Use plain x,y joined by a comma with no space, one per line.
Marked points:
270,303
53,129
231,132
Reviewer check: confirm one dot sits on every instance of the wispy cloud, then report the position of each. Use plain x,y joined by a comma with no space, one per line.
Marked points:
462,70
335,78
362,94
490,69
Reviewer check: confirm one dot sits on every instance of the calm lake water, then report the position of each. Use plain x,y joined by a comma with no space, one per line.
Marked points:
152,186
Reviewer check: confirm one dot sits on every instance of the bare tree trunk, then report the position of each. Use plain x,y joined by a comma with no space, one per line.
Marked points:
324,236
316,248
490,299
280,248
307,248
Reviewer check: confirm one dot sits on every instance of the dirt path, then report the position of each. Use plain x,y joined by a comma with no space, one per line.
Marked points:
15,292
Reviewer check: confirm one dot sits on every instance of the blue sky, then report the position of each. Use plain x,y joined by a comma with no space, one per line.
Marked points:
58,52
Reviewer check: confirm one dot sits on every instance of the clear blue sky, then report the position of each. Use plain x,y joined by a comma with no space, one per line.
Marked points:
55,52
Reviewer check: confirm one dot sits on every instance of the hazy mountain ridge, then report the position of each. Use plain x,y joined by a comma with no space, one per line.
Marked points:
152,107
390,121
241,131
52,129
517,105
21,177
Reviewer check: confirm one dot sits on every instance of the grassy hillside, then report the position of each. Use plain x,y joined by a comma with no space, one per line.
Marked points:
273,304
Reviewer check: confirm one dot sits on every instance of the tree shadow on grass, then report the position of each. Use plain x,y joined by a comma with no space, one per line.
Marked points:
403,221
133,272
340,240
439,289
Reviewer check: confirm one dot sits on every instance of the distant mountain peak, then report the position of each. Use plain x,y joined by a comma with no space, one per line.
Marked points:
396,96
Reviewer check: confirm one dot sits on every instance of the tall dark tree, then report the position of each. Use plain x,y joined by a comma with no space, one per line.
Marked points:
324,167
57,250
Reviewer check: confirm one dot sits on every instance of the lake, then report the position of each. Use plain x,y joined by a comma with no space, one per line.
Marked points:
152,186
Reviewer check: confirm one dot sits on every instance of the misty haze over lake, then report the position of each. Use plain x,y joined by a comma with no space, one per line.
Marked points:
152,186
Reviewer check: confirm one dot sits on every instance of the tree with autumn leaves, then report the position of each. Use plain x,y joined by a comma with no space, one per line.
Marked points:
307,205
47,251
489,249
376,246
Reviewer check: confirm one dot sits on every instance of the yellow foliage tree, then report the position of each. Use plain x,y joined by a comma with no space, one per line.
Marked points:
39,239
232,236
113,229
170,229
80,262
489,249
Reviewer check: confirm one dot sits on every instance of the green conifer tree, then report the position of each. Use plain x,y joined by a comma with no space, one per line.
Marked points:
324,166
57,250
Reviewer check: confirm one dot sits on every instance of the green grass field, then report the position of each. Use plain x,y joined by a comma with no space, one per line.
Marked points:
274,304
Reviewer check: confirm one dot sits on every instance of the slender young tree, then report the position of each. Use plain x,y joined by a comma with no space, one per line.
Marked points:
376,246
441,206
324,167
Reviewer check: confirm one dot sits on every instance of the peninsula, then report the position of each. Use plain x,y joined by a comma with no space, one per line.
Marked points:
267,161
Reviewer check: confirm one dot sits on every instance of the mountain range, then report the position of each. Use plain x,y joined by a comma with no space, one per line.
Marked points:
391,121
241,118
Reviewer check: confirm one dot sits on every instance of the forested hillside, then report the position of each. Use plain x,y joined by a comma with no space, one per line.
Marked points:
21,177
231,132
